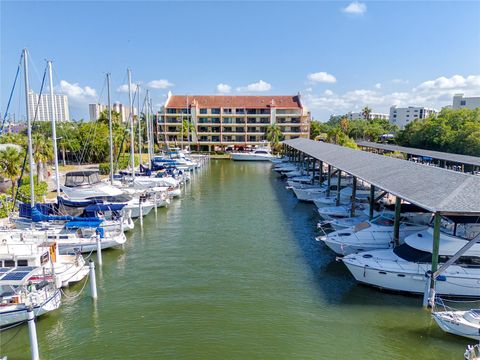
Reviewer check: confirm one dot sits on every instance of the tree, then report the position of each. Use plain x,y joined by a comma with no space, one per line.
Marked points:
344,124
42,153
366,111
11,165
274,135
103,117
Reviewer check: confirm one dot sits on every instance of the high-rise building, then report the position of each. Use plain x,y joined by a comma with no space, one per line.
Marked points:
96,109
461,102
44,110
220,121
403,116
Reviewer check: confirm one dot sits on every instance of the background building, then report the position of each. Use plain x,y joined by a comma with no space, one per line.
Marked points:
230,120
45,111
461,102
359,116
403,116
124,111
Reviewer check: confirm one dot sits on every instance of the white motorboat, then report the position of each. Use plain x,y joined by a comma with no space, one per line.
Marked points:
404,267
461,323
368,235
17,294
61,269
329,212
255,155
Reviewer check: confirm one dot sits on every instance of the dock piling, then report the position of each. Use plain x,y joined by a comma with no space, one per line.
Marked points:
93,280
32,333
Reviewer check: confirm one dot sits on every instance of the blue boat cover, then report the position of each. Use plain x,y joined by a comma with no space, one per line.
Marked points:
91,223
104,207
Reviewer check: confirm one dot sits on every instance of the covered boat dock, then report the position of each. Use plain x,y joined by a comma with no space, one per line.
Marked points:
443,159
440,191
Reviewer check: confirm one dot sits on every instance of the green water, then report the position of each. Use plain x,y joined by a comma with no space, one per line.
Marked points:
232,271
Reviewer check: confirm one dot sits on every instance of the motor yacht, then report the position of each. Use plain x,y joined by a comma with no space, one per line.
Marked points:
403,268
255,155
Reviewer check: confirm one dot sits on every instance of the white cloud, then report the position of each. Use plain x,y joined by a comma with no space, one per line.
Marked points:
322,77
76,94
378,86
159,84
431,93
256,87
223,88
123,88
400,81
356,8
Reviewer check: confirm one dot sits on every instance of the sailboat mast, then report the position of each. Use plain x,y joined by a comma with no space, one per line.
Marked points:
132,137
149,134
54,128
139,123
110,132
29,129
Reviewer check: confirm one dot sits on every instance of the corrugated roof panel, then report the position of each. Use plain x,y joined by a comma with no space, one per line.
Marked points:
456,158
432,188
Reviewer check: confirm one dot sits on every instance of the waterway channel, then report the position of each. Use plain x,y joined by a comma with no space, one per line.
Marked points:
232,271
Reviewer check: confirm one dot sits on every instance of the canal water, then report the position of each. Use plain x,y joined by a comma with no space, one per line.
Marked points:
232,271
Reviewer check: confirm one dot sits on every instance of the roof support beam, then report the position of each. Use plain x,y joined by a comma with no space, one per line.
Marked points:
314,161
396,223
354,196
329,179
320,172
372,202
339,184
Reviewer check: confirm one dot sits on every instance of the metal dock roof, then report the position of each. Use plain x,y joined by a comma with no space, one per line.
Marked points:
432,188
456,158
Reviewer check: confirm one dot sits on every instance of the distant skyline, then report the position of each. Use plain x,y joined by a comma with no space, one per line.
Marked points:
341,56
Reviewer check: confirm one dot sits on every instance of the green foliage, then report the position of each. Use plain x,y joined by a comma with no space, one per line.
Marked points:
40,191
317,128
455,131
11,164
6,206
274,135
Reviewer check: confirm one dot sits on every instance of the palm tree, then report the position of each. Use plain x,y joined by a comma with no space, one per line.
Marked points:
42,153
11,165
366,111
274,135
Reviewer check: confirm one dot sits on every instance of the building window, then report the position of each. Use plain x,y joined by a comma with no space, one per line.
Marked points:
239,111
203,111
227,111
463,102
171,111
216,111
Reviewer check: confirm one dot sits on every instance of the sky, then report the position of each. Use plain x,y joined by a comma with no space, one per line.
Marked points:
339,55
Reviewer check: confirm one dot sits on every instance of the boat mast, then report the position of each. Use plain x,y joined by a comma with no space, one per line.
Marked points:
54,128
139,122
152,136
132,137
110,132
149,134
29,129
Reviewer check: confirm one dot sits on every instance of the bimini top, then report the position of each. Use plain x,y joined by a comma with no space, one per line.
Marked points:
455,158
432,188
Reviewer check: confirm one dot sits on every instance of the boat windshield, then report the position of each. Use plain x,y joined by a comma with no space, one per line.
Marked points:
383,221
261,152
79,179
411,254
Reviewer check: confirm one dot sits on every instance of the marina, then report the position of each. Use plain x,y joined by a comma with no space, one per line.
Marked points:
244,285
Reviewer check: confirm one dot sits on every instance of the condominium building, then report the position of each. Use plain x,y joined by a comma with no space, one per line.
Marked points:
220,121
403,116
461,102
360,116
96,109
42,106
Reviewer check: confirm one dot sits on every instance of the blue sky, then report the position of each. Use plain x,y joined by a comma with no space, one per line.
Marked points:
340,55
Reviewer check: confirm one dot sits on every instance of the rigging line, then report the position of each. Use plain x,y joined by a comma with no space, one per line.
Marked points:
11,93
19,181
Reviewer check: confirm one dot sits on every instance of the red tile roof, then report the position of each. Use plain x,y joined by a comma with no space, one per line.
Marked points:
232,101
